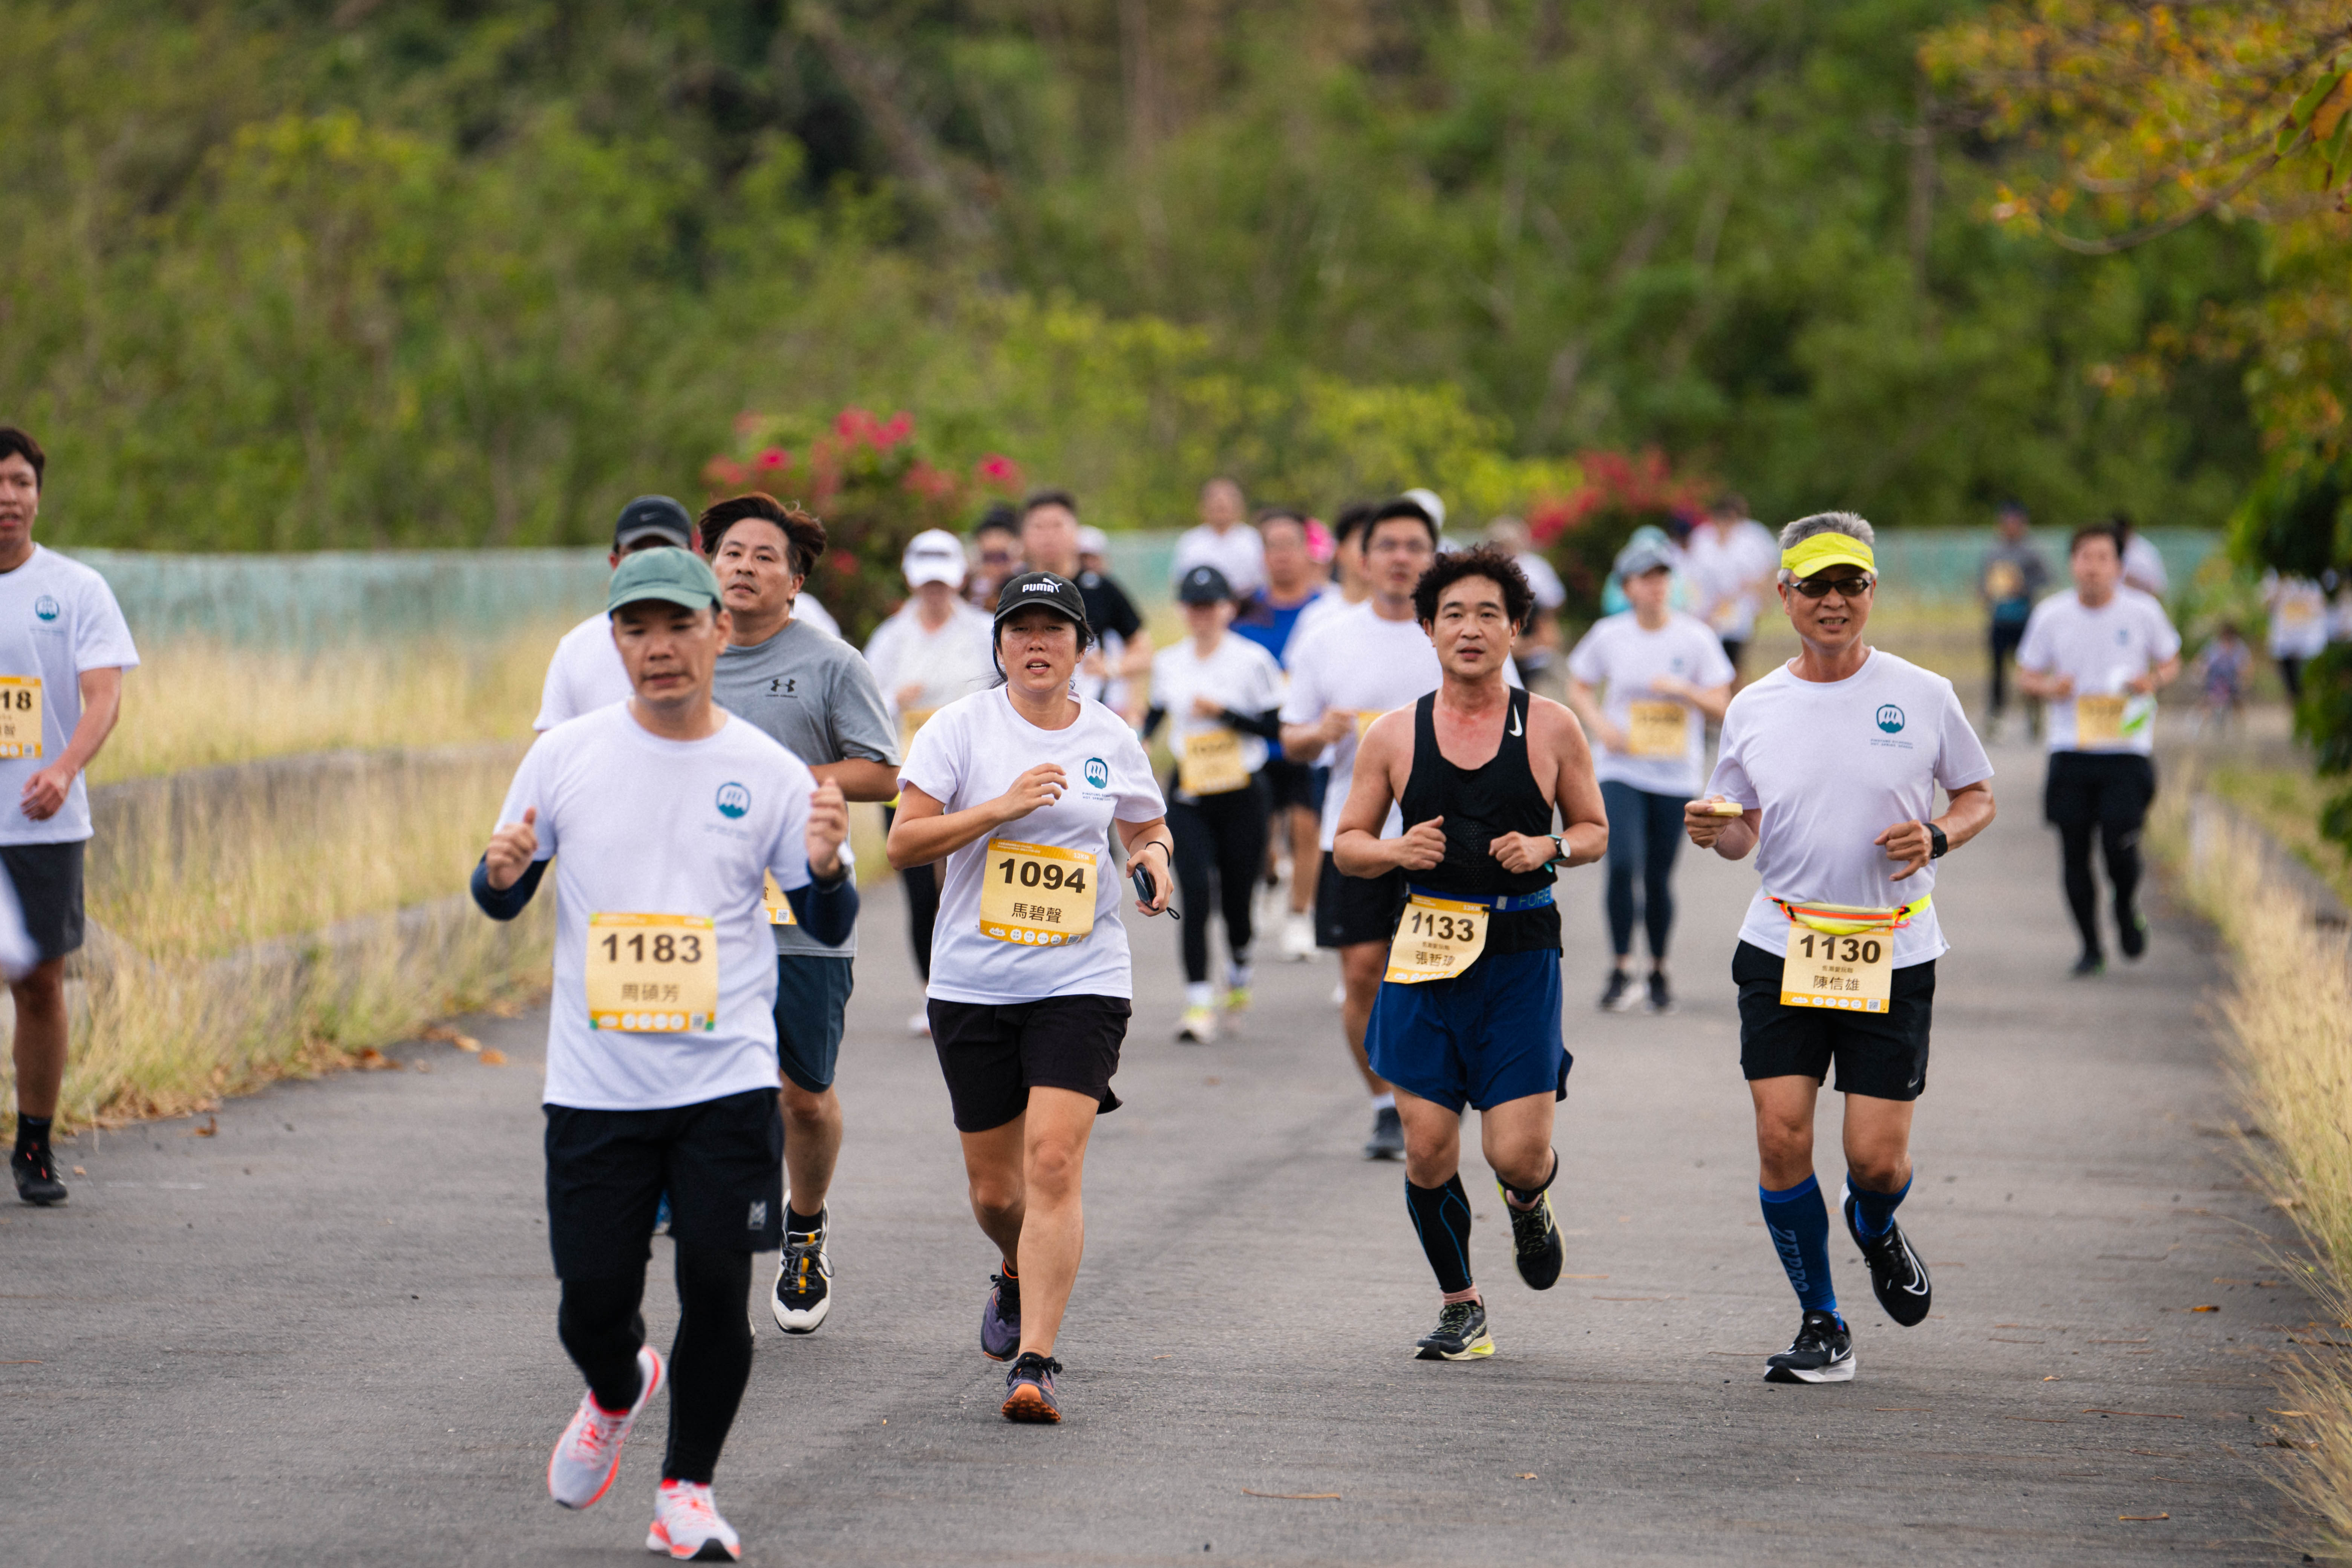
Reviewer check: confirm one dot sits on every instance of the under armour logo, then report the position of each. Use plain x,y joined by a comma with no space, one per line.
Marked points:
787,685
759,1220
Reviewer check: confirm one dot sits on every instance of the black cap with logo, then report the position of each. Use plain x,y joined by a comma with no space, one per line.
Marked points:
651,518
1203,585
1043,590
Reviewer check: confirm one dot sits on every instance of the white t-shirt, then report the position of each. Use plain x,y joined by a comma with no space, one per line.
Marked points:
972,751
1240,675
2103,650
806,608
640,824
58,619
2144,566
2299,612
1619,656
1352,659
1549,590
1722,569
1834,764
585,674
1238,553
952,662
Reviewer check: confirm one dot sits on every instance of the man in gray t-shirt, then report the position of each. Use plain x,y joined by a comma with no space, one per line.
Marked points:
814,695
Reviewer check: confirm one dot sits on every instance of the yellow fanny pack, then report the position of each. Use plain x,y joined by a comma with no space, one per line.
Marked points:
1849,919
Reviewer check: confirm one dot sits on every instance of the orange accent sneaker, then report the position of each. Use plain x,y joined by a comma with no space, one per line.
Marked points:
687,1525
1029,1389
588,1456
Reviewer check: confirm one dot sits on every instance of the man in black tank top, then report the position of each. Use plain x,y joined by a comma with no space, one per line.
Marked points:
1468,1012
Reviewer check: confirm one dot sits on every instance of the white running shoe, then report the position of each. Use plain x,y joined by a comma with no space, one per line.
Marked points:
920,1024
588,1456
804,1292
1199,1026
687,1525
1298,939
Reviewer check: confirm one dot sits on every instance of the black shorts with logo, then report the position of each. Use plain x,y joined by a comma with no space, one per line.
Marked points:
47,879
1883,1055
1353,909
994,1053
721,1161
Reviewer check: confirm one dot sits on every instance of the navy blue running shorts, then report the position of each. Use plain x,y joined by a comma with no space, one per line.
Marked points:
811,997
1486,1037
1883,1055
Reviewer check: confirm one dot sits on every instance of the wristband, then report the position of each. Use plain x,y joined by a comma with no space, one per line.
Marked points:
1937,845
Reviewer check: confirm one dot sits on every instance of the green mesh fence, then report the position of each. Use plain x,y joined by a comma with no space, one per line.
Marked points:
308,601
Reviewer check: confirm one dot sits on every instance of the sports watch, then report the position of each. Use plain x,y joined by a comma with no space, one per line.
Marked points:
1937,845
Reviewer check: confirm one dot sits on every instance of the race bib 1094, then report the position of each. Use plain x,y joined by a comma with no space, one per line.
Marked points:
1038,895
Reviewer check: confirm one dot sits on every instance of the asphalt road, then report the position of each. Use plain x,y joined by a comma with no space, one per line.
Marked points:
326,1333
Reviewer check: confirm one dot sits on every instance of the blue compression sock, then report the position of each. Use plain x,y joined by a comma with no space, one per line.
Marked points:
1799,1223
1873,1211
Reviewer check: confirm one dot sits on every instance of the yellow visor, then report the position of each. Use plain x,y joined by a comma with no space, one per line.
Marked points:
1812,554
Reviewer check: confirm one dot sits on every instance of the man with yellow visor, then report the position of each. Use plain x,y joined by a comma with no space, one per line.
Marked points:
1828,769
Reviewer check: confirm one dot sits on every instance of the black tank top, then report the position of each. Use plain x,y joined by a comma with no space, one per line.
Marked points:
1480,804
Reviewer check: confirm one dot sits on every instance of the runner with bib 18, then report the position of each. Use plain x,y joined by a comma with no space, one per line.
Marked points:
1827,771
1016,789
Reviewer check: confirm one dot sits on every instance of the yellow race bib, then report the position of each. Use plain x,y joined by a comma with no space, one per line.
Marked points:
1658,730
1211,764
1436,939
1364,722
20,716
773,899
653,974
1038,895
2099,720
1842,955
910,722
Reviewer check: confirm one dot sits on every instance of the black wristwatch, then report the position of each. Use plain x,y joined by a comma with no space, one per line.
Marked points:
1559,851
1937,845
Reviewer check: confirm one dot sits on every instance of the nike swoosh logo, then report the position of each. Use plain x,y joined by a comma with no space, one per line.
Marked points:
1514,724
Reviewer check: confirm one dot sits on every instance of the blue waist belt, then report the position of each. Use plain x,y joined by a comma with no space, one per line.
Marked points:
1503,904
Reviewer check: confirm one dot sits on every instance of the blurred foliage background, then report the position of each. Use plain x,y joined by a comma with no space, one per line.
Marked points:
288,274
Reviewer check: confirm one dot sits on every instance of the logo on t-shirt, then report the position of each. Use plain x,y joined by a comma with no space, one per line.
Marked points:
1097,772
734,800
48,609
784,685
1890,717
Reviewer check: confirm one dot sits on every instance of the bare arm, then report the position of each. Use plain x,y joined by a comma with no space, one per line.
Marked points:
1357,847
1305,743
1138,839
2044,683
1968,812
1584,820
859,778
1586,703
1730,833
2161,676
926,831
101,705
1710,700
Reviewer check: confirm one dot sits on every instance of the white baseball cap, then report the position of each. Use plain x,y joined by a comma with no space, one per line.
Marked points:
1427,501
934,555
1093,541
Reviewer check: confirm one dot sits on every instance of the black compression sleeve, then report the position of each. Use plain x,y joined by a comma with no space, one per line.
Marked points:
1151,719
1267,724
504,905
828,912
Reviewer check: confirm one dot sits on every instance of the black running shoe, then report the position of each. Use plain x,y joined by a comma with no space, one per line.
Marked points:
2087,966
37,1176
1620,996
804,1292
1460,1335
1386,1142
2132,933
1536,1245
1029,1389
1896,1274
1662,998
1000,1318
1822,1351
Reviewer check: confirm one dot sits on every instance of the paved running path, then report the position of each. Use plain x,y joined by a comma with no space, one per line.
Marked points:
326,1334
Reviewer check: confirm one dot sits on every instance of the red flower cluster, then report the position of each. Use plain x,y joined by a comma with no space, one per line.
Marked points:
1616,483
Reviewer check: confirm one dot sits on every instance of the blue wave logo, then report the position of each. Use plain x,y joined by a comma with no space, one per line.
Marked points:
1890,717
1097,772
734,800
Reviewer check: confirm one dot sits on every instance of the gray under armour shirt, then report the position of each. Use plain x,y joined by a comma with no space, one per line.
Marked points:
815,695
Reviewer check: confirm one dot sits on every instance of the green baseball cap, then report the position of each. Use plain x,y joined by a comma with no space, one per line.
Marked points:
677,576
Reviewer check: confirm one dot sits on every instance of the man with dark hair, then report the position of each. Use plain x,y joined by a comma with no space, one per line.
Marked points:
1122,650
817,697
587,672
996,554
1224,540
1468,1008
1349,668
1272,618
64,647
1729,558
2097,657
2012,577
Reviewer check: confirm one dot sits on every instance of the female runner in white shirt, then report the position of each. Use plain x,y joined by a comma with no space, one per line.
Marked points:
1015,788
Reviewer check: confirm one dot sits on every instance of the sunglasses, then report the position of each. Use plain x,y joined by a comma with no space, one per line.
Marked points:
1845,588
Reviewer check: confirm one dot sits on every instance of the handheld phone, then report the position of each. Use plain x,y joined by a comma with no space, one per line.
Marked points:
1143,892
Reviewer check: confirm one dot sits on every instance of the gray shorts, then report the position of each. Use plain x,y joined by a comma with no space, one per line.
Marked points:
812,996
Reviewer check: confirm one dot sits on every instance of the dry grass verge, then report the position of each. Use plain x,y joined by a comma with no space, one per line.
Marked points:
2289,1011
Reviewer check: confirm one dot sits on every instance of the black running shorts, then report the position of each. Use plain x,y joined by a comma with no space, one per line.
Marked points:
1291,784
992,1054
721,1162
47,879
1883,1055
2098,789
1352,910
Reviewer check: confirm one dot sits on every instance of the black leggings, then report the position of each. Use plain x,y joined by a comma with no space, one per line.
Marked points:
1224,836
922,885
710,1361
1645,830
2105,795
